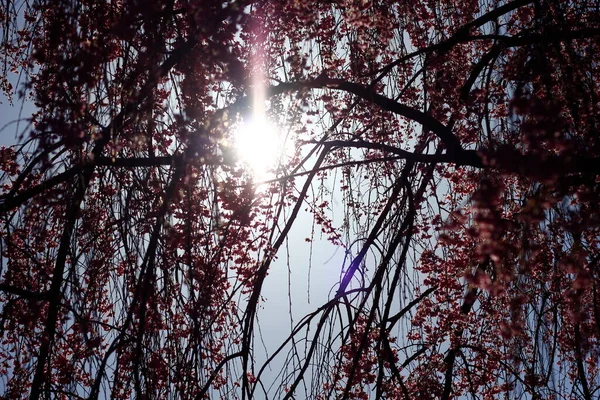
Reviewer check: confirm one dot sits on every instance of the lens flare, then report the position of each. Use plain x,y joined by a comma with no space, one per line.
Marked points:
258,144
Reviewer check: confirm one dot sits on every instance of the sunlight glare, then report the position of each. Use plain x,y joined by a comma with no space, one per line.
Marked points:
258,145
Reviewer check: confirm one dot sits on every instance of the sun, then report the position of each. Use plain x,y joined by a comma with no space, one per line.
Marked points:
258,144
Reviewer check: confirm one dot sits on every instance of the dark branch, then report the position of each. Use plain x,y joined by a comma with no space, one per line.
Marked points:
24,293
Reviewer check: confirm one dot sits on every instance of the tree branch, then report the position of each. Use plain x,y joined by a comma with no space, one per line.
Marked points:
24,293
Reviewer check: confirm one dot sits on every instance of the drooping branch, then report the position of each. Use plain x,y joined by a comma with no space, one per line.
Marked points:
461,35
264,268
466,307
72,212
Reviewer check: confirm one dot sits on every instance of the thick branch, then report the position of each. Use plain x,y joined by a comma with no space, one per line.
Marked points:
508,160
465,157
11,201
429,123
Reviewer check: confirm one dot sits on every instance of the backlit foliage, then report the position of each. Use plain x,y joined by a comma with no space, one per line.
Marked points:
450,150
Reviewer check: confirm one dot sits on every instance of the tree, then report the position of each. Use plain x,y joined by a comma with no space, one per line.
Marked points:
449,149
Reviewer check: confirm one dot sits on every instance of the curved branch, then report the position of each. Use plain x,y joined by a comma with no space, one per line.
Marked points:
429,123
458,37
